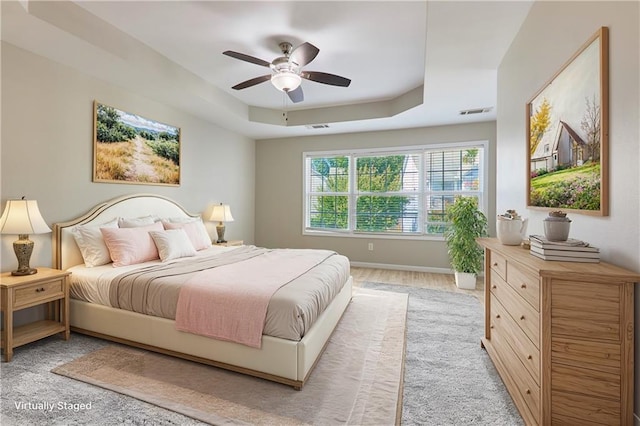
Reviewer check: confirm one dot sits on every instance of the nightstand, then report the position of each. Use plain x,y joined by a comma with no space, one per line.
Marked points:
48,286
229,243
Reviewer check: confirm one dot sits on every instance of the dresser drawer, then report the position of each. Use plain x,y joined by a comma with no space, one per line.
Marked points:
38,293
528,389
525,283
571,409
498,264
586,310
524,315
524,349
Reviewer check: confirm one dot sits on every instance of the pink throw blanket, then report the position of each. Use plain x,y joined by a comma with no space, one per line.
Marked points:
230,302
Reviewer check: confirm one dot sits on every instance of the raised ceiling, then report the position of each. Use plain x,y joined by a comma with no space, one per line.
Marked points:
412,64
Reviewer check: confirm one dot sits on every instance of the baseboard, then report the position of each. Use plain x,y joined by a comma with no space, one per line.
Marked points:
401,267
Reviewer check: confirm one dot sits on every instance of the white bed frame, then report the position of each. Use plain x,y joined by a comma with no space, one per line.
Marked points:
284,361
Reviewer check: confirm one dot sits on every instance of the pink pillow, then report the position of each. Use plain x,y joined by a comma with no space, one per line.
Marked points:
128,246
196,232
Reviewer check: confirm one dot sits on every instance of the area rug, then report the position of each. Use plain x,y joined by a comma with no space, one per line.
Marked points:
449,378
358,379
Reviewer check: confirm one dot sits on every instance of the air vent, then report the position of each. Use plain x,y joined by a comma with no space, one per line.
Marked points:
317,126
475,111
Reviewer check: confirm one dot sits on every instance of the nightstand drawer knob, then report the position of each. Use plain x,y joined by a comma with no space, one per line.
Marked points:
529,357
523,286
38,290
497,315
494,286
522,317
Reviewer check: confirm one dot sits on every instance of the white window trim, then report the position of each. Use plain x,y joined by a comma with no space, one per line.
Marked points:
351,233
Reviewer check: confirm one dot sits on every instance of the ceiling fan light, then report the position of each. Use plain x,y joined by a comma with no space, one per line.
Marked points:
286,81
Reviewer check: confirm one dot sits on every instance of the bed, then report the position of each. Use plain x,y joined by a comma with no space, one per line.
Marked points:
284,359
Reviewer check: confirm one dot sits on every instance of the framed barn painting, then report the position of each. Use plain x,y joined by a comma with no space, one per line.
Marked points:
129,148
568,134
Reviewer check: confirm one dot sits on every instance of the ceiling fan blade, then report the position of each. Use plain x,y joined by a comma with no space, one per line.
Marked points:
252,82
304,54
326,78
247,58
296,95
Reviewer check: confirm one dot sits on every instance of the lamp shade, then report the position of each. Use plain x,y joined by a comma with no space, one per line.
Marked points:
22,217
286,80
221,213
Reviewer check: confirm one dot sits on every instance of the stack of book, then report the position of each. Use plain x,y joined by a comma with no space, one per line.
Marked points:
571,250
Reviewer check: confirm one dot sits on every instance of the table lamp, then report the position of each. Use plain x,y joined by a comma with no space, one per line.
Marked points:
221,213
22,217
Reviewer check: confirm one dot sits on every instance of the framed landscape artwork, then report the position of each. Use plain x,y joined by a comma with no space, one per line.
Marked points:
568,132
129,148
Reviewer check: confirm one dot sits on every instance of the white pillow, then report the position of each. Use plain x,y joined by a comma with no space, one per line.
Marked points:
185,219
91,243
137,221
173,244
196,231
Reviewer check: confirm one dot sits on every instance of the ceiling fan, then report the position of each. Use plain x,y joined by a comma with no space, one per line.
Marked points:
286,71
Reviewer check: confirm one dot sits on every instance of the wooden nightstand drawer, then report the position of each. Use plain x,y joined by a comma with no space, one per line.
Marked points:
37,293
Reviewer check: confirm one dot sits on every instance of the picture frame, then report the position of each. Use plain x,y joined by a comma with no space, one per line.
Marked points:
129,148
568,134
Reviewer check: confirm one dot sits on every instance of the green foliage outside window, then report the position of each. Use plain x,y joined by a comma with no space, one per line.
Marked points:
374,213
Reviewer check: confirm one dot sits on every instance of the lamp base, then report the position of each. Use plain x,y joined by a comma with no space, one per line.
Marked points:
220,231
19,273
23,247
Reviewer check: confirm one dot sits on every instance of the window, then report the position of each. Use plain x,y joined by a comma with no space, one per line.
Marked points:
404,192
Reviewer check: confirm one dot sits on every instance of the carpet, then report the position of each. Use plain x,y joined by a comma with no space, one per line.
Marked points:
358,379
449,378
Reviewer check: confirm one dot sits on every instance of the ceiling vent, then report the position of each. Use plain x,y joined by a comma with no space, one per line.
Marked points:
317,126
475,111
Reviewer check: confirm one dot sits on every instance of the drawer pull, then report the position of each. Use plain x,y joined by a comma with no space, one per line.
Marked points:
38,290
523,286
522,317
497,315
528,392
494,286
491,326
529,357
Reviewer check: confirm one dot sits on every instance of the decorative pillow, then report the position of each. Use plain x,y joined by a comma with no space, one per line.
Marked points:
91,244
195,230
173,244
128,246
137,221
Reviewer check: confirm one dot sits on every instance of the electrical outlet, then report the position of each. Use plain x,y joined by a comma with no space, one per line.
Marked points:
370,247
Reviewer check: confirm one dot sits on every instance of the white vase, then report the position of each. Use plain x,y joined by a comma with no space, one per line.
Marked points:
465,280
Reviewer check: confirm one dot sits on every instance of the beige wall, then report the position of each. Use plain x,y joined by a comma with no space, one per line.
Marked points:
47,150
279,192
552,32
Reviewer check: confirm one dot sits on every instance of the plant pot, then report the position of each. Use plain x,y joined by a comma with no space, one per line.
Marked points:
465,280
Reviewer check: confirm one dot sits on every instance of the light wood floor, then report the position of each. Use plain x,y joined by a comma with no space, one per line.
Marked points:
445,282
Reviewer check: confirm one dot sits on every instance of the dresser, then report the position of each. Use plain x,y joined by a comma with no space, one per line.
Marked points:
561,336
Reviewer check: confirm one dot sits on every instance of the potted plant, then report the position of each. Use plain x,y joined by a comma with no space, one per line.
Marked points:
467,223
